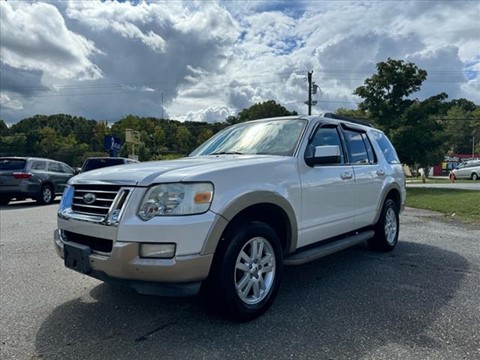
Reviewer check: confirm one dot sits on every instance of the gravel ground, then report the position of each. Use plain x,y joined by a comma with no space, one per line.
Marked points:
420,301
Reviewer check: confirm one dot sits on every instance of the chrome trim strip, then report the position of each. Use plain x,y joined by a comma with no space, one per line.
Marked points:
119,203
96,191
93,206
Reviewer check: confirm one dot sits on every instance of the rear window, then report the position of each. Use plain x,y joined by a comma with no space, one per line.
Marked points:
92,164
12,164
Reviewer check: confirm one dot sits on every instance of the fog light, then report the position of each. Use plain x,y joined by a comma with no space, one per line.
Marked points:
157,251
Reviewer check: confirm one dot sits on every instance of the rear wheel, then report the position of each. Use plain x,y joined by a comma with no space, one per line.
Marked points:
474,177
249,273
387,228
46,195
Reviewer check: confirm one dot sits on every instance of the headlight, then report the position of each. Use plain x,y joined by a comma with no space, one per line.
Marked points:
176,199
67,198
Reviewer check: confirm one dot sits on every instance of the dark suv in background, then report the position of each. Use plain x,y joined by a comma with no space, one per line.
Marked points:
101,162
32,178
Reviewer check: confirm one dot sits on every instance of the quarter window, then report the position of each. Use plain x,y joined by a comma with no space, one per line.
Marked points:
386,146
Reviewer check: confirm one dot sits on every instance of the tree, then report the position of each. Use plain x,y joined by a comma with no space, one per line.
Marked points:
204,135
420,138
386,93
356,114
262,110
182,139
412,125
4,131
462,125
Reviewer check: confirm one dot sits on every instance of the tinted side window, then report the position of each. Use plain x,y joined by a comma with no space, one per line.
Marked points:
357,152
386,146
372,158
55,167
39,165
328,136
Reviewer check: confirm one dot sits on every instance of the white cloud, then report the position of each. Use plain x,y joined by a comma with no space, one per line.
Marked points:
13,104
204,61
209,115
122,18
34,37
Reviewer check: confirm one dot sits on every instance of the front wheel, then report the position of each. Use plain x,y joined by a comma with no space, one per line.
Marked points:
46,195
4,201
250,271
387,228
474,177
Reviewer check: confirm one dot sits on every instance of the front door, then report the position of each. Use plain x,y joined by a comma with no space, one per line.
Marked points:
328,193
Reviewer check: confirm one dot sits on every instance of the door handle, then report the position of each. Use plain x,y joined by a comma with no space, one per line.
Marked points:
380,172
346,175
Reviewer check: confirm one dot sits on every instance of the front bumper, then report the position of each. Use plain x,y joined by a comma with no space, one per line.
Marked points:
180,276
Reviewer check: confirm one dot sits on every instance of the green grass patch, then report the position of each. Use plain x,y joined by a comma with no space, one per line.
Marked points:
435,181
465,204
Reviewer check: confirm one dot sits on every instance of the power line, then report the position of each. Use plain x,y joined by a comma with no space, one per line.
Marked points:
221,79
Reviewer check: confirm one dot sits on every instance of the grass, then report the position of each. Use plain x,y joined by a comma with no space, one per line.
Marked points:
435,181
463,205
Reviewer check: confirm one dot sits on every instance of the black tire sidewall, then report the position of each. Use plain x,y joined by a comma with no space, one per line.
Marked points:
232,303
41,199
379,241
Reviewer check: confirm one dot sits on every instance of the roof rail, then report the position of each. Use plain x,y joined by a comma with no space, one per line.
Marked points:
346,118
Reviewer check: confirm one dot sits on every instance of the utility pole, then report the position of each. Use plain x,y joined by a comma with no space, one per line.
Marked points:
312,89
310,92
162,107
473,148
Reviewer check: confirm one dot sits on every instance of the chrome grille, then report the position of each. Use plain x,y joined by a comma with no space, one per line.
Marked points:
94,199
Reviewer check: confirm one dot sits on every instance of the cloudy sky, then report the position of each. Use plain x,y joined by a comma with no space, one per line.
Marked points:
205,60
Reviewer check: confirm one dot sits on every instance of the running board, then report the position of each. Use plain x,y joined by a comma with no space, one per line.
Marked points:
304,256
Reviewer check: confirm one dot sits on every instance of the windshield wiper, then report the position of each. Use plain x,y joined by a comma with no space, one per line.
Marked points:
227,153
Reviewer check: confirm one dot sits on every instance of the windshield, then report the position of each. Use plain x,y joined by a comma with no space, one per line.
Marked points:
272,137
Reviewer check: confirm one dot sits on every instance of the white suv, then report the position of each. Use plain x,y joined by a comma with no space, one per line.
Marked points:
255,197
468,170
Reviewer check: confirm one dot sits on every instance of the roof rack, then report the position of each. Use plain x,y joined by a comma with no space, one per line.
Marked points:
346,118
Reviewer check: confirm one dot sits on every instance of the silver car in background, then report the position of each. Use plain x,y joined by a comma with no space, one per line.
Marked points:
468,170
32,178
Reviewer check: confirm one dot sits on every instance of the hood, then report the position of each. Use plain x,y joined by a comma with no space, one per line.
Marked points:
185,169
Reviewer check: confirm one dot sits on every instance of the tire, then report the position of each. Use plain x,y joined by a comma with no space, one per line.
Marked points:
474,177
46,195
387,228
248,272
4,201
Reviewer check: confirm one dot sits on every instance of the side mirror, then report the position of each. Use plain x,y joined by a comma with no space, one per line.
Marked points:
327,154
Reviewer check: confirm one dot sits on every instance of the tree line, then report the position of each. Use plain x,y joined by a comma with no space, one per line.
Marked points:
72,139
421,131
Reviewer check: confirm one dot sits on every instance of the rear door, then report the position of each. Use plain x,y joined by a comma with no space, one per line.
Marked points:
57,176
369,174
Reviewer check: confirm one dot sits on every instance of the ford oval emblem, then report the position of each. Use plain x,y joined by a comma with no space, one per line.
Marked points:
89,198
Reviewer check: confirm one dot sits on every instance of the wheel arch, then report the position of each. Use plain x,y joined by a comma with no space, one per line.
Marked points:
263,206
393,192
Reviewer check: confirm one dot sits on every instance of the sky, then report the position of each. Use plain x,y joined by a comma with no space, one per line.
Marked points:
207,60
